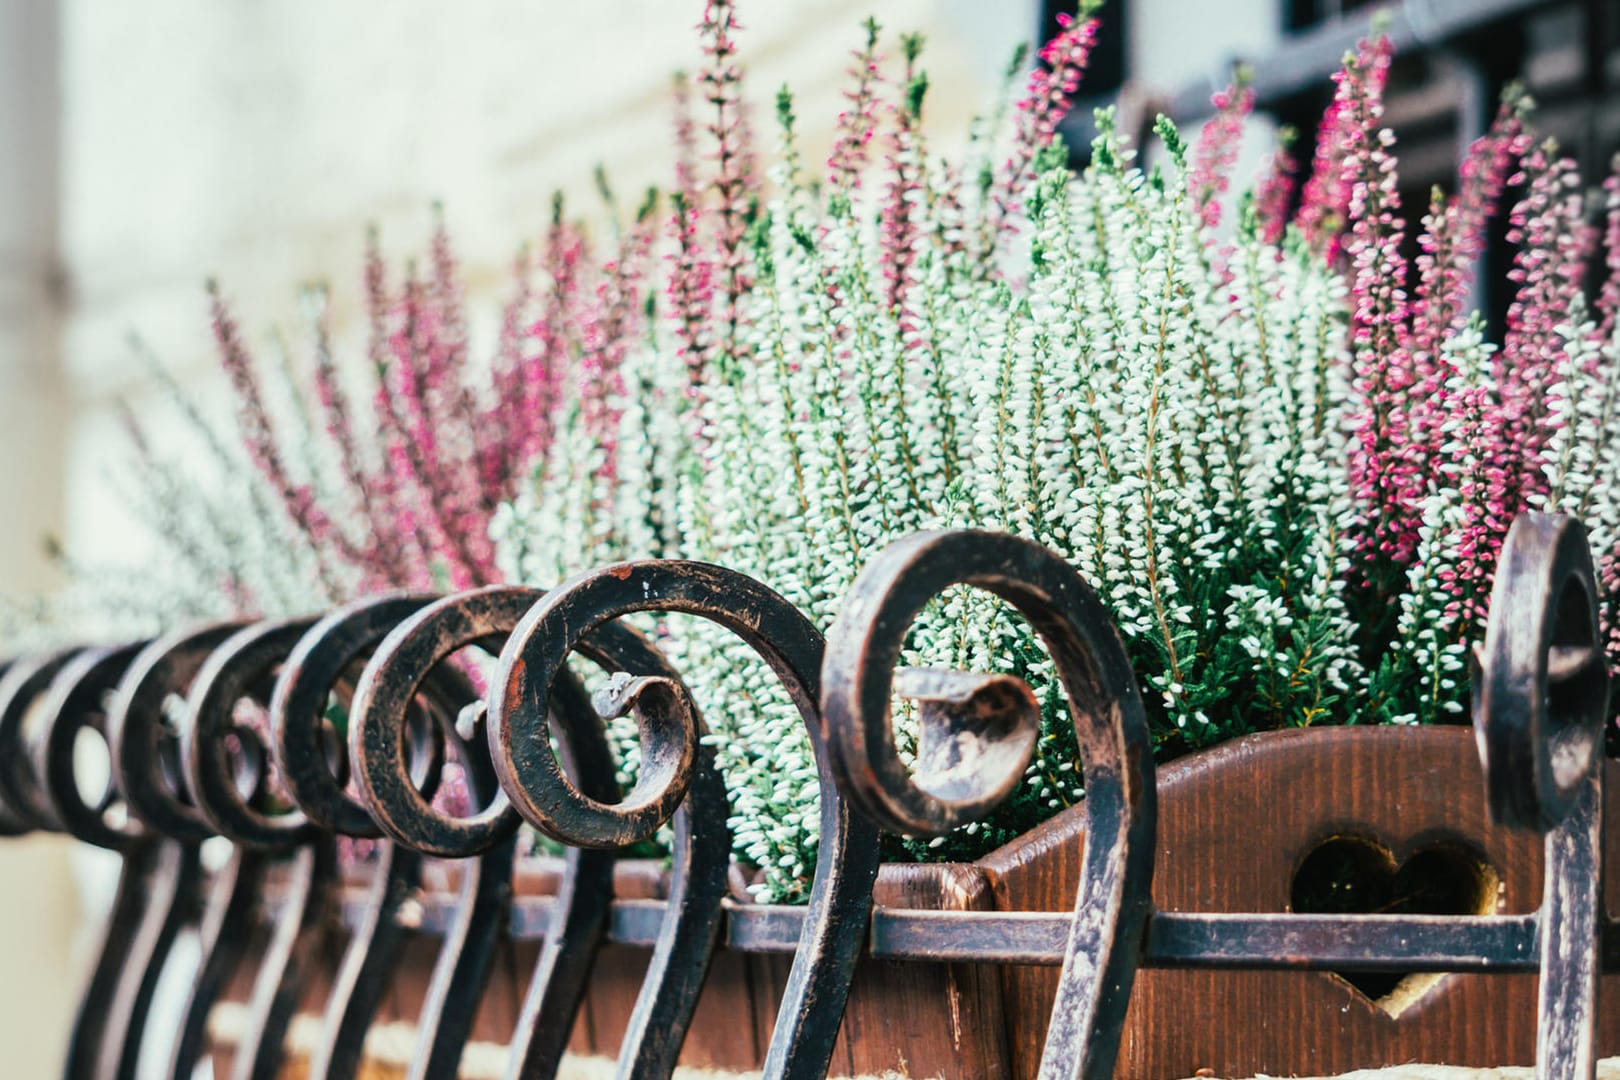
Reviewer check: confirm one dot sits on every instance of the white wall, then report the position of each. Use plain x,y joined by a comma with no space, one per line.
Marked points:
255,141
1173,42
38,905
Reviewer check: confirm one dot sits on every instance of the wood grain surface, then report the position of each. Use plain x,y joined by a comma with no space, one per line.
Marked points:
1235,823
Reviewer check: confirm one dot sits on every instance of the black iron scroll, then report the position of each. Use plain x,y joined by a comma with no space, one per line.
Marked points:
1541,691
834,924
229,791
579,911
160,882
382,700
1541,686
315,769
978,733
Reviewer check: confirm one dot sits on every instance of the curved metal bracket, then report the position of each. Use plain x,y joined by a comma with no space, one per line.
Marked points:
984,730
841,896
1541,692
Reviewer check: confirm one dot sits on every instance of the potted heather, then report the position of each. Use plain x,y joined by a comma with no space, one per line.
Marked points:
1283,452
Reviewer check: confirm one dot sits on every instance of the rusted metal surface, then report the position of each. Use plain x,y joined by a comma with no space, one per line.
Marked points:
1541,690
380,752
840,899
409,654
989,749
290,960
677,781
227,920
1541,694
226,770
532,749
312,761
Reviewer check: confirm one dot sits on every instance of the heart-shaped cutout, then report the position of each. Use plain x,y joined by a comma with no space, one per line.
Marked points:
1356,875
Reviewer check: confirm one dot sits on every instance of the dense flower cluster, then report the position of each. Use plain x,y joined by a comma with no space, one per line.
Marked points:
1283,452
1003,344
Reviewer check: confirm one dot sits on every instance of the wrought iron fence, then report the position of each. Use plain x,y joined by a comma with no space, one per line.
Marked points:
533,750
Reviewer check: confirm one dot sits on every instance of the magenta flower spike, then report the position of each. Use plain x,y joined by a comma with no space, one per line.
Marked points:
1216,150
1037,115
1326,201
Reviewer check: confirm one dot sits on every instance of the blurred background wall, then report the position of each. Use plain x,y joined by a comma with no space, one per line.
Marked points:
145,147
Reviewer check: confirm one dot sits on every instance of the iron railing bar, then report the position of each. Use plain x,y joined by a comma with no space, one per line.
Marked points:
1309,942
1344,942
991,937
1174,939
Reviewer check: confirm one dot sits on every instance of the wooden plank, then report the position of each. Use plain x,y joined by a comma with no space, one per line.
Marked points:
1235,824
927,1019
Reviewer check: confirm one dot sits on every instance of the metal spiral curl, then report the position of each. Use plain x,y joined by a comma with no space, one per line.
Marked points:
316,767
532,666
227,788
143,743
160,879
312,756
143,748
484,617
978,733
1541,691
379,750
77,700
22,802
1541,686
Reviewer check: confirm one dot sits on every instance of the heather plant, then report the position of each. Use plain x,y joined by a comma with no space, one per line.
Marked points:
1284,453
1453,435
337,479
1285,457
1002,344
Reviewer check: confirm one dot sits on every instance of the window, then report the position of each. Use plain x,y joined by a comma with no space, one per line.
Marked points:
1105,73
1304,14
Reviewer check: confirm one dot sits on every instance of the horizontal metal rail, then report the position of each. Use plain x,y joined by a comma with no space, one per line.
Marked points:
1418,943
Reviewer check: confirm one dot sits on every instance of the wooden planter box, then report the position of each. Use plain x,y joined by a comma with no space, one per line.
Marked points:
1258,825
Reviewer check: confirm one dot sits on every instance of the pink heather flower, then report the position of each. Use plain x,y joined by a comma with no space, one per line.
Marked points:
691,276
454,405
1381,473
1608,301
446,357
416,399
1479,471
1326,200
421,489
721,80
1453,240
259,439
1274,194
1216,150
858,123
1455,230
399,401
500,463
1042,109
1505,440
619,322
338,427
1553,242
554,336
400,547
